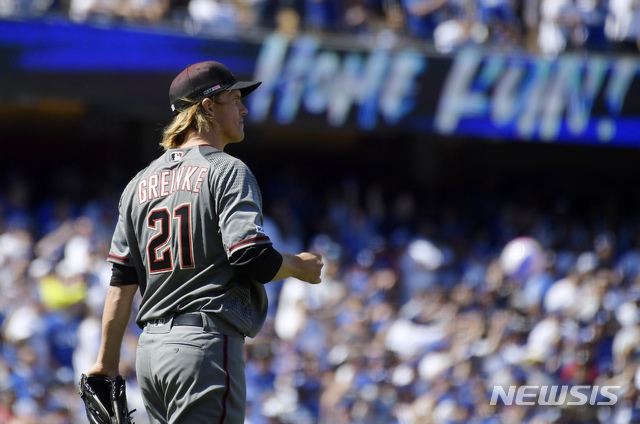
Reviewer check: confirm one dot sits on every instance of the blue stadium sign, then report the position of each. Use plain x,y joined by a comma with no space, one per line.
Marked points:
477,92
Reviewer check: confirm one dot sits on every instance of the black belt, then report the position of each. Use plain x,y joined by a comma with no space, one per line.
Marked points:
209,322
191,320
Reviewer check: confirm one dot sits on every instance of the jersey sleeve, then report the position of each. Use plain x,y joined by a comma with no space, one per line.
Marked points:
240,209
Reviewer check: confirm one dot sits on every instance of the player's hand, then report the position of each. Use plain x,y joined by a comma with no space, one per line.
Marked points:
100,369
310,266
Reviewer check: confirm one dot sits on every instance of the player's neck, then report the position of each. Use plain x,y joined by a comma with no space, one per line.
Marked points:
193,139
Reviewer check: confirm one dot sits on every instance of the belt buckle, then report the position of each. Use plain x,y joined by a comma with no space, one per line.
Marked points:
158,322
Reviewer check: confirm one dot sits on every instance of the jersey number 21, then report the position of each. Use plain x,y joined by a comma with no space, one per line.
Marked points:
160,247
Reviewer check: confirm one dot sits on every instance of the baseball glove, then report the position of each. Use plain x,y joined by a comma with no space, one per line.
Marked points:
105,399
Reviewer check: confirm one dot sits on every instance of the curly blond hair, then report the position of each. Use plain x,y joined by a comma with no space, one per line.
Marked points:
194,117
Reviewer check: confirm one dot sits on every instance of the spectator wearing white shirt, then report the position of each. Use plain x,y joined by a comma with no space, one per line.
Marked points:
623,24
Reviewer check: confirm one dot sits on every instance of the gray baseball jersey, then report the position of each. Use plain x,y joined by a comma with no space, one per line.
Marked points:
180,219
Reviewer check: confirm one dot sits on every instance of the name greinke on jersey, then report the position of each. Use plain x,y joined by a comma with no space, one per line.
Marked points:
165,183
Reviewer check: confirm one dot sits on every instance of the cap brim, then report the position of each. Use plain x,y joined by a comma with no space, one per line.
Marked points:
245,87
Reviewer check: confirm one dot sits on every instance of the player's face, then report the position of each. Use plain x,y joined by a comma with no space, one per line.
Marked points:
229,113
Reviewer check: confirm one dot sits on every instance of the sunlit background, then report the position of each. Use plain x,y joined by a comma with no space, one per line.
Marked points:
469,171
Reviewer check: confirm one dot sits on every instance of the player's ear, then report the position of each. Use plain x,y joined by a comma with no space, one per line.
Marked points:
207,105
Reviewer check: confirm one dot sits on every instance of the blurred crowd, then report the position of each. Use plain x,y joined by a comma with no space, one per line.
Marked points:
416,321
545,26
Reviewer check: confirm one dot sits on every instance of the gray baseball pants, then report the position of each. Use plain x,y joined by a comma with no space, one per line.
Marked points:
192,374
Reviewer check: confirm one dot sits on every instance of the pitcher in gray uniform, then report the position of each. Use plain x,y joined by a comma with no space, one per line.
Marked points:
190,237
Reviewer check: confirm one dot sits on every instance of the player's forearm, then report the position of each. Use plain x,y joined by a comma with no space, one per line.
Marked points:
303,266
115,318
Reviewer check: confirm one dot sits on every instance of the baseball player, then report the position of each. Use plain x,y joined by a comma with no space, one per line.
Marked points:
190,237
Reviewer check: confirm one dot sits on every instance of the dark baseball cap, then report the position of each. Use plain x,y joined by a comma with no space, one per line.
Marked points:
202,80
